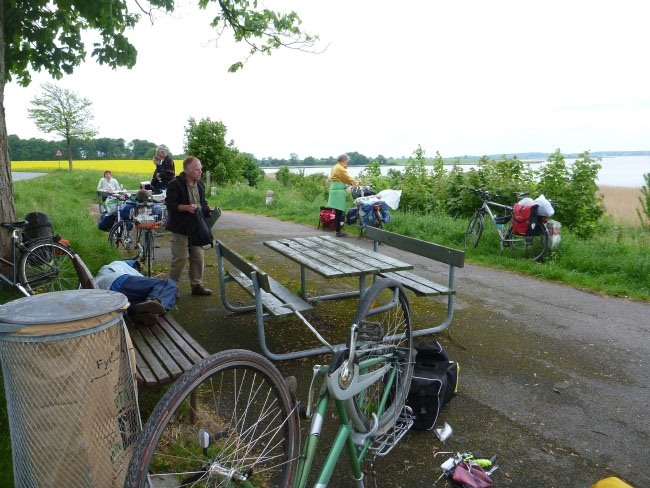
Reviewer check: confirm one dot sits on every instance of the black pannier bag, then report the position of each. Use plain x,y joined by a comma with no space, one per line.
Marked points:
435,381
106,222
39,226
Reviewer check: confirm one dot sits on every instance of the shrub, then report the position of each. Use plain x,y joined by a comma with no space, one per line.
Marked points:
645,203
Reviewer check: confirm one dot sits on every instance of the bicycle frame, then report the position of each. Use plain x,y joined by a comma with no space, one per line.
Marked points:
486,208
14,279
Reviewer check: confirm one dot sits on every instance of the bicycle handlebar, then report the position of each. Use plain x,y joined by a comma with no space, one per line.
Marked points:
485,194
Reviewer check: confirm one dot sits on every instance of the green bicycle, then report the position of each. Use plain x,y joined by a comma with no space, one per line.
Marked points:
232,421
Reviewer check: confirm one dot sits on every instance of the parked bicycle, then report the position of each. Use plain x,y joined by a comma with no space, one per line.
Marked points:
149,219
502,222
232,420
532,245
39,265
367,213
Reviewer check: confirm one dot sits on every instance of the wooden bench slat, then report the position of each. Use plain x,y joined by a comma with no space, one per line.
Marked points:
337,263
287,297
145,351
381,261
189,351
446,255
186,335
166,360
416,286
143,373
314,265
316,243
270,302
442,289
169,346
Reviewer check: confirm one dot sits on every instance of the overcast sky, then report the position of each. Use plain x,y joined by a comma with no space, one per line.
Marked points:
459,77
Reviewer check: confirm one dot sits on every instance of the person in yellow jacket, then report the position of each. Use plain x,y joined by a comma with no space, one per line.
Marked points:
339,178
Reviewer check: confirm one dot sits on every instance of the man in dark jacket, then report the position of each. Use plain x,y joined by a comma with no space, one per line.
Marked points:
185,197
165,170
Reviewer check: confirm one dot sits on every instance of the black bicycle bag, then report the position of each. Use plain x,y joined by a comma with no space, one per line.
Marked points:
434,383
39,226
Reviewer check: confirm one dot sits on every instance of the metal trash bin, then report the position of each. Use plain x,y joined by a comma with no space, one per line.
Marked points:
70,388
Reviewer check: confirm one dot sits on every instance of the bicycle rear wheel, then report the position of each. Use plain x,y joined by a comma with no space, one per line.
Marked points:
384,312
46,267
474,230
243,404
532,247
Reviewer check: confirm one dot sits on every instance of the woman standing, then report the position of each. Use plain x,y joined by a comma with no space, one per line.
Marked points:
339,178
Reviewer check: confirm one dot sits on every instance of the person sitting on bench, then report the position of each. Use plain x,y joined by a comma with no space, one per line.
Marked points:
148,297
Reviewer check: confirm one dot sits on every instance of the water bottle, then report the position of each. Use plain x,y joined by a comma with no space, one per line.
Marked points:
500,226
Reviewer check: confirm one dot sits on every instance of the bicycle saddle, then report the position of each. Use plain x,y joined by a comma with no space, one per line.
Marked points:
521,194
14,225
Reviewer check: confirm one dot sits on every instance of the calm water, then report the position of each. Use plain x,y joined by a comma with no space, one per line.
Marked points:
615,171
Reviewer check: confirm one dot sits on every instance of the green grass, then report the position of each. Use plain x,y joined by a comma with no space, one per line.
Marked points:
616,262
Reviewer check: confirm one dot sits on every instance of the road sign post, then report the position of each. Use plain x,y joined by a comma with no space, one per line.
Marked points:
59,155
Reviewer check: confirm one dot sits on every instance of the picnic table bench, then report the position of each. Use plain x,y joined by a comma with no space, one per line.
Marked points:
271,298
418,285
163,351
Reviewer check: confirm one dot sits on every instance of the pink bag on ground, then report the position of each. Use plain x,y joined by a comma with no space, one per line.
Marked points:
472,475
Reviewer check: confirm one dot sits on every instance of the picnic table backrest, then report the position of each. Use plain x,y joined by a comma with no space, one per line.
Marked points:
447,255
244,266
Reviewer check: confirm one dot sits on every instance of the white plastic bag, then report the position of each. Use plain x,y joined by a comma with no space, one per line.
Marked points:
526,201
391,197
545,208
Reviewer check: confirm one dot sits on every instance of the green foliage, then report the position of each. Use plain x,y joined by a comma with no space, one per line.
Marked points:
312,187
645,203
206,140
35,149
249,169
580,208
283,175
416,184
63,112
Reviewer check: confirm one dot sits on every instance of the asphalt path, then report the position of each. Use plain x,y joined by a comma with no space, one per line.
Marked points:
25,175
553,379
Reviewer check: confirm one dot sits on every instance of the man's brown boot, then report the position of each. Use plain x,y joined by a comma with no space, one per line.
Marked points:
149,306
145,319
201,290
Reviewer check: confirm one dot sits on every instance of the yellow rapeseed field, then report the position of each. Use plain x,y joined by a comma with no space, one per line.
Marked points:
133,166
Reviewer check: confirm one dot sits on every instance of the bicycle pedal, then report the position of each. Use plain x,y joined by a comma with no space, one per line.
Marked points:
370,331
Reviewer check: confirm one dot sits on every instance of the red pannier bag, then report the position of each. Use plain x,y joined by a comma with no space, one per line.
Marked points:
522,217
327,218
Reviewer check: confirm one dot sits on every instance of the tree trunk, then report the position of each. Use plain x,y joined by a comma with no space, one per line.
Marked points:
69,154
7,209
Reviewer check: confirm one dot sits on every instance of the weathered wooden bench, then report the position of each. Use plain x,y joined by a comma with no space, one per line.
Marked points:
272,300
163,351
418,285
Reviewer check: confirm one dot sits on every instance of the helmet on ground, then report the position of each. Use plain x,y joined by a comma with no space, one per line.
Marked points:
143,196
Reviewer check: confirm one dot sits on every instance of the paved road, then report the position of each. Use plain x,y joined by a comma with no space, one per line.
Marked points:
24,175
553,379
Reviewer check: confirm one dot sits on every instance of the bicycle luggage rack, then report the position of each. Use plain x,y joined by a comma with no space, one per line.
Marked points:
383,444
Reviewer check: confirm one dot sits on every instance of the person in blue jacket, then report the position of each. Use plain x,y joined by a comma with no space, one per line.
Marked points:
148,297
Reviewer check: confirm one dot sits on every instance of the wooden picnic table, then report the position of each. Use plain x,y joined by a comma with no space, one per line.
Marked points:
331,258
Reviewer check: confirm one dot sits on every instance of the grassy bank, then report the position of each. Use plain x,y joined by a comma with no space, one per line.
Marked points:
616,262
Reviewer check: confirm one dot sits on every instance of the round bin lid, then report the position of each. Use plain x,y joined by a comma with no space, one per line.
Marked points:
61,306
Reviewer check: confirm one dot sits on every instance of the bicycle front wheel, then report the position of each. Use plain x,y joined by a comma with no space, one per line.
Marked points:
46,267
531,247
120,235
474,230
384,319
228,419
